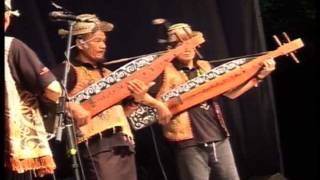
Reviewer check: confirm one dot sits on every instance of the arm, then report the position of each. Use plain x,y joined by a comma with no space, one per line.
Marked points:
269,66
139,92
53,91
234,93
78,113
30,72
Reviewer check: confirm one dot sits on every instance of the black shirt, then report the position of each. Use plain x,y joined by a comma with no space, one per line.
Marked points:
205,126
26,68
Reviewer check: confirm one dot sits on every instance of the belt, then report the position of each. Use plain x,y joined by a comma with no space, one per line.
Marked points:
211,149
206,145
107,133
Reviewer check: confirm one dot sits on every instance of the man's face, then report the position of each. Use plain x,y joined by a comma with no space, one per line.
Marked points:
187,56
94,46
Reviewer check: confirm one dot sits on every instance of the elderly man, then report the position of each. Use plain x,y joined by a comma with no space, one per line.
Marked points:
108,154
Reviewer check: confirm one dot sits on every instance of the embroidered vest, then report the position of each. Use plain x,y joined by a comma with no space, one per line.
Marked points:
113,116
179,128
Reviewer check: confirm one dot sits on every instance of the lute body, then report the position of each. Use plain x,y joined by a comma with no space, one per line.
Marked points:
214,83
112,89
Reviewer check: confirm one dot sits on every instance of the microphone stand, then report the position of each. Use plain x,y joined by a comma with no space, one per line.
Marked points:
63,121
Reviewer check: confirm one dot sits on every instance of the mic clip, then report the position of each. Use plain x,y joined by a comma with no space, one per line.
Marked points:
66,16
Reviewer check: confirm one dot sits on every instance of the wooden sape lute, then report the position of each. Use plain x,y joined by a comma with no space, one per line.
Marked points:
112,89
215,82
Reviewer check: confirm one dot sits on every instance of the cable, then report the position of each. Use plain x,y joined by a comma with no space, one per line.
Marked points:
157,153
54,176
78,154
30,175
81,42
91,159
77,148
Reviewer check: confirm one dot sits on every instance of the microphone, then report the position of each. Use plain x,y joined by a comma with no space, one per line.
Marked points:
163,23
65,16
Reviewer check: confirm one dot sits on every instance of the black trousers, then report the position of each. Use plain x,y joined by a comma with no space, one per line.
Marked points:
115,164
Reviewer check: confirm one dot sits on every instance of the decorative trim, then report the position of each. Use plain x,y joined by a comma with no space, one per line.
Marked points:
113,78
145,116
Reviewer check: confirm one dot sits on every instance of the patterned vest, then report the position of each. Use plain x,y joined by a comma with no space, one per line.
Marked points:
113,116
179,128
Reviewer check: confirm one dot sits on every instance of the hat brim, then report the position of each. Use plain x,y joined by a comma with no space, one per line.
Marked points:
103,26
174,39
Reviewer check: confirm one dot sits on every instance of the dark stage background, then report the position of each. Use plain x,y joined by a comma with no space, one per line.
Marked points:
272,126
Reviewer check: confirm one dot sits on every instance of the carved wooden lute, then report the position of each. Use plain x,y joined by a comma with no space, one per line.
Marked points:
110,90
214,83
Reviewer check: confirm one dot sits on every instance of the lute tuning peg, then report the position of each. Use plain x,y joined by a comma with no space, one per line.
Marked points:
285,35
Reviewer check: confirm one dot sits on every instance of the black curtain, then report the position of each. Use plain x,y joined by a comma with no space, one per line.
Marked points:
231,28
